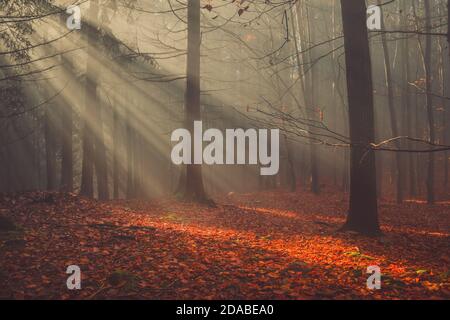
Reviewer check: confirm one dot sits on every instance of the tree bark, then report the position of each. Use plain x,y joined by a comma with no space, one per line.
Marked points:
194,180
67,149
447,105
429,103
50,147
101,165
392,113
363,212
130,157
312,111
91,101
66,184
407,103
116,153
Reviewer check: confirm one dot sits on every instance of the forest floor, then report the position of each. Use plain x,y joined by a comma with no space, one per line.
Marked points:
271,245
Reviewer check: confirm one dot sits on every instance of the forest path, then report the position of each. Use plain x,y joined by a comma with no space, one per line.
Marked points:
270,245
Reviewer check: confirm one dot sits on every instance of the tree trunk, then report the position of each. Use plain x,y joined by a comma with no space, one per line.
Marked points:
363,212
312,111
447,104
101,166
66,184
67,149
194,180
429,103
91,102
392,113
130,157
50,147
116,153
292,180
407,104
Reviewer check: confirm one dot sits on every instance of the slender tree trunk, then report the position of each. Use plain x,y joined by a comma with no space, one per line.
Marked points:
363,213
67,149
417,124
116,153
429,99
334,85
101,167
50,147
447,104
407,103
138,154
50,137
442,75
295,26
194,180
312,111
130,157
292,180
392,112
66,184
91,102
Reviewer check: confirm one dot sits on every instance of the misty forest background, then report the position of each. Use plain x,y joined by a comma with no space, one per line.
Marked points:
364,115
91,110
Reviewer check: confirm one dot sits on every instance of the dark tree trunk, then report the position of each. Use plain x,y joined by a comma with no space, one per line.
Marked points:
67,152
429,99
407,105
292,180
194,180
66,184
67,127
50,147
392,113
447,105
363,212
312,111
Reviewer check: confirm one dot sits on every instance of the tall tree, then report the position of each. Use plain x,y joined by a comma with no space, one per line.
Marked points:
87,170
194,189
447,105
66,131
67,148
50,146
312,108
130,156
101,168
363,212
391,105
429,103
116,153
407,101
